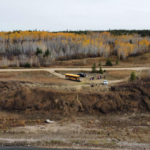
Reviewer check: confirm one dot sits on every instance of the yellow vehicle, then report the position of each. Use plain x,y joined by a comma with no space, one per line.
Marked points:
73,77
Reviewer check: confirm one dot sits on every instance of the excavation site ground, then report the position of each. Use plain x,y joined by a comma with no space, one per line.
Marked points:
113,116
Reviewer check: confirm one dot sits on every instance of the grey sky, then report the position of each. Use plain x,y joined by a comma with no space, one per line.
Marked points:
58,15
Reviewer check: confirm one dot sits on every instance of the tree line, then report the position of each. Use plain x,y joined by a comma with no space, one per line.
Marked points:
41,48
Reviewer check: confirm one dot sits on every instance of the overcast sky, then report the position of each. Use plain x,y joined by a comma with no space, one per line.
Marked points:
58,15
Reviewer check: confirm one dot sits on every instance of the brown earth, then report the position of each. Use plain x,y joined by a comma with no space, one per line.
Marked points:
132,97
114,118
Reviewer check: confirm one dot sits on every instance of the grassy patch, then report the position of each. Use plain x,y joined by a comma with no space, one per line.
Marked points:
94,142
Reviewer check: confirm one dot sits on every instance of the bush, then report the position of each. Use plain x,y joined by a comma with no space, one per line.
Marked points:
132,76
104,70
130,41
117,62
27,65
94,68
47,53
4,67
121,57
108,62
38,51
100,71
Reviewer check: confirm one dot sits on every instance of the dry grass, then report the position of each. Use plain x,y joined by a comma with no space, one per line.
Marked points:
7,123
9,120
37,76
144,74
43,79
116,75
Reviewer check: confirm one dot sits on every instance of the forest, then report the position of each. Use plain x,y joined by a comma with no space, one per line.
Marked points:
42,48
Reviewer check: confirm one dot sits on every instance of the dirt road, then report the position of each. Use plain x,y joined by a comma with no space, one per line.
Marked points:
53,70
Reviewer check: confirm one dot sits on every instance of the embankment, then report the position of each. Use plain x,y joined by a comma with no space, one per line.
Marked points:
131,97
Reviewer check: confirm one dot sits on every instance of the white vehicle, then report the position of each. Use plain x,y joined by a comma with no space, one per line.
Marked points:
105,82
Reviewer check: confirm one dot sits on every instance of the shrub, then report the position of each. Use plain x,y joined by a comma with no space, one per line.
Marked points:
132,76
100,71
94,68
104,70
4,67
27,65
108,62
130,41
117,62
47,53
121,57
38,51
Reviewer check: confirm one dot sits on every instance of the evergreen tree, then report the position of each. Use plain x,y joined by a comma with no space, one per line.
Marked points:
38,51
108,62
130,41
94,68
100,71
132,76
27,65
121,57
47,53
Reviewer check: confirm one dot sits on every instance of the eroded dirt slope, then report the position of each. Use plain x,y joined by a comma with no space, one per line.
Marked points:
133,97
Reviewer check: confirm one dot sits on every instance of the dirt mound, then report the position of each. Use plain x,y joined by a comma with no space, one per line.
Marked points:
133,97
